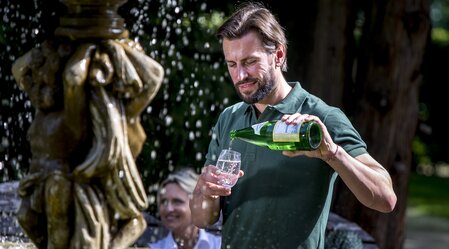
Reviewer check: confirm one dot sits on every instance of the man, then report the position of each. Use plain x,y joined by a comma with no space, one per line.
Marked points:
283,201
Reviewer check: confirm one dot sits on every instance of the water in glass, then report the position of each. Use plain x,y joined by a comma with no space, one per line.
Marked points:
229,165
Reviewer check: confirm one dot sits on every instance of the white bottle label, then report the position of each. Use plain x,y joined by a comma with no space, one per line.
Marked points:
257,127
286,133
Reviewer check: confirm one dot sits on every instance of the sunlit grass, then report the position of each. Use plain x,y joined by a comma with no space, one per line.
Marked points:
429,195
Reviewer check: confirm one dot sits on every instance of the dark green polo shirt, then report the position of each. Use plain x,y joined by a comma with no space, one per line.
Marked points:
280,202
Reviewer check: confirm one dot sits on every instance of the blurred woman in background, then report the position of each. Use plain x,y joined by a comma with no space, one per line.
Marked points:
173,205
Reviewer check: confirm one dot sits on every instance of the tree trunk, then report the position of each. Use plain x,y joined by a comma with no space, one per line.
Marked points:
320,40
378,88
387,83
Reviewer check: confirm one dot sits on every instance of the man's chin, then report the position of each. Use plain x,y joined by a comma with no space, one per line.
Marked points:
247,98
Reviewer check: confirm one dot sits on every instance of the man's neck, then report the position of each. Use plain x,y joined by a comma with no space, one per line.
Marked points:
281,91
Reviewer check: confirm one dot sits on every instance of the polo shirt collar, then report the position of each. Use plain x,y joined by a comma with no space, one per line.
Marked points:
290,104
294,100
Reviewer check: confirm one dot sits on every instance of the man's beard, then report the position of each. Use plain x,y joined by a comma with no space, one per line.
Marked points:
266,85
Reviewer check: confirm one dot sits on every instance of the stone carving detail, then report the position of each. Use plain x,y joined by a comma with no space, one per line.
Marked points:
84,189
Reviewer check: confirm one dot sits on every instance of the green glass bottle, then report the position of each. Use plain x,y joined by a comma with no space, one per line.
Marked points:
277,135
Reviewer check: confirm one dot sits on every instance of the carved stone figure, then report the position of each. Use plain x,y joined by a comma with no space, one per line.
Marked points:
83,189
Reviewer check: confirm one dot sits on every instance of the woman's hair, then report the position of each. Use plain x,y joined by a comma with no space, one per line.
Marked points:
251,16
185,177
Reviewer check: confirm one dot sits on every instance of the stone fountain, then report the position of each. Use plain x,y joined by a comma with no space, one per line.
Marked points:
88,84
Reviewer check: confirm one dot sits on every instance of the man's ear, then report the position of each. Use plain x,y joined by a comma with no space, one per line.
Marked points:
280,55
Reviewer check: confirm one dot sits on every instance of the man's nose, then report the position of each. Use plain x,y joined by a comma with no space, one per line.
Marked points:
241,73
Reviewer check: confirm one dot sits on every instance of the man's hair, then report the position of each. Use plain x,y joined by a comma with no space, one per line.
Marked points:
253,16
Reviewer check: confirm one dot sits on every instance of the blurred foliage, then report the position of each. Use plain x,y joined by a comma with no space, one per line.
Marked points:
420,152
439,13
428,195
440,36
429,145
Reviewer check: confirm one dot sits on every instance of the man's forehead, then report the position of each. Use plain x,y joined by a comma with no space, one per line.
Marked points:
241,48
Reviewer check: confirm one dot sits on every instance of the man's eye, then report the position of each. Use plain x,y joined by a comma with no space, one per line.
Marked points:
250,62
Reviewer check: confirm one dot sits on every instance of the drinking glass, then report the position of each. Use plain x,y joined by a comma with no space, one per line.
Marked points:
228,164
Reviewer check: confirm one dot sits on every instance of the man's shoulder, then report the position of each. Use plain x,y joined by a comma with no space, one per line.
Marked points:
318,107
237,107
233,111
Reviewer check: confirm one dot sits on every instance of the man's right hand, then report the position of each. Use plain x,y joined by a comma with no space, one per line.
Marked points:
205,202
